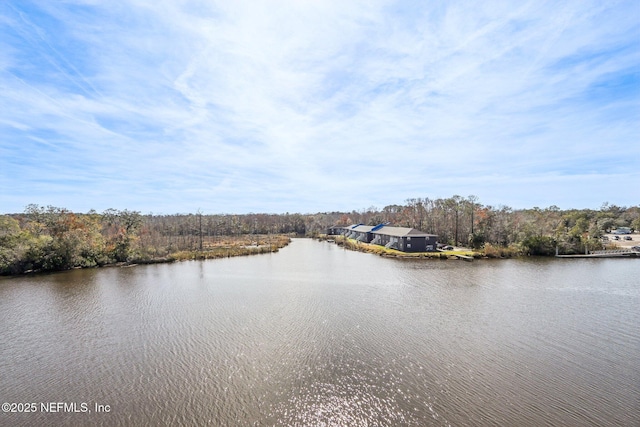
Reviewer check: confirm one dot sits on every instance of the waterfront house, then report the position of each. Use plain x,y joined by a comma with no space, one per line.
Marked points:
401,238
404,239
359,232
335,230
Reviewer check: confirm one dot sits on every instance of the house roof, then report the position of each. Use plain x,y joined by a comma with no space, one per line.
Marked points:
402,232
387,230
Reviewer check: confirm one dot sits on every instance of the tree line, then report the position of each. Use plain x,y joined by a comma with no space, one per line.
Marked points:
461,221
53,238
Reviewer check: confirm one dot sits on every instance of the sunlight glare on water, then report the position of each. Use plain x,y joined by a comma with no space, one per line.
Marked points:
317,335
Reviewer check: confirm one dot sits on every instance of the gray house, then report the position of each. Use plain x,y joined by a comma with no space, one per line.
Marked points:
404,239
400,238
335,230
359,232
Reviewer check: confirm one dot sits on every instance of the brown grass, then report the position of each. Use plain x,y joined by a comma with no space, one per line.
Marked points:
229,246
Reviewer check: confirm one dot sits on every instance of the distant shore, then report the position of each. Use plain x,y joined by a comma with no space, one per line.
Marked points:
227,249
489,252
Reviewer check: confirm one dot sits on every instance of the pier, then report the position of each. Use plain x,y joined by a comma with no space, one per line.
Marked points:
613,253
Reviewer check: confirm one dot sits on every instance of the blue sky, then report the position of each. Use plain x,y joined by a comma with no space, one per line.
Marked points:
170,106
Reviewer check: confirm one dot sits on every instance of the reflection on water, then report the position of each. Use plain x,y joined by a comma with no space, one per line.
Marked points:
316,335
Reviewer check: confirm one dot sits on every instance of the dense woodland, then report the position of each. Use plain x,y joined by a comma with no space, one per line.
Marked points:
52,238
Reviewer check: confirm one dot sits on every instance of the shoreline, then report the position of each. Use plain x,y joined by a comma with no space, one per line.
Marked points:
461,254
351,244
179,256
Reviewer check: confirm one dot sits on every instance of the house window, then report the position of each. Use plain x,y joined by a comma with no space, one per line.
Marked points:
408,237
408,245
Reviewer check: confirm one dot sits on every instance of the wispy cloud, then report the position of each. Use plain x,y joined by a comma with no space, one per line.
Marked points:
169,106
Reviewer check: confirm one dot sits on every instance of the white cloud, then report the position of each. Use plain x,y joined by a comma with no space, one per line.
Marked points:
281,106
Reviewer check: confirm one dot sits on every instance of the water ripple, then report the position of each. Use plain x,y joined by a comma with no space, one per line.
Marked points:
316,335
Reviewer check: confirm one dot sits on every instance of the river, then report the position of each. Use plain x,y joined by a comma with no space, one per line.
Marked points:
318,335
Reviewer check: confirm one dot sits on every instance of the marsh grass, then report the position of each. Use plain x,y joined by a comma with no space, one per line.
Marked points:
227,246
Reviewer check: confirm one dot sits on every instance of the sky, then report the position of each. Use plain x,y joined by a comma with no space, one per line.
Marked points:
175,106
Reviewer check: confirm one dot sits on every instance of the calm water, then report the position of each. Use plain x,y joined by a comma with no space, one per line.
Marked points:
316,335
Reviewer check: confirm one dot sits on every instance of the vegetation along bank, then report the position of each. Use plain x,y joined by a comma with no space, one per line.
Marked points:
51,238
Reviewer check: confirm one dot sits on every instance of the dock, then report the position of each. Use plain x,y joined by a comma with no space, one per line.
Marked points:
613,253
